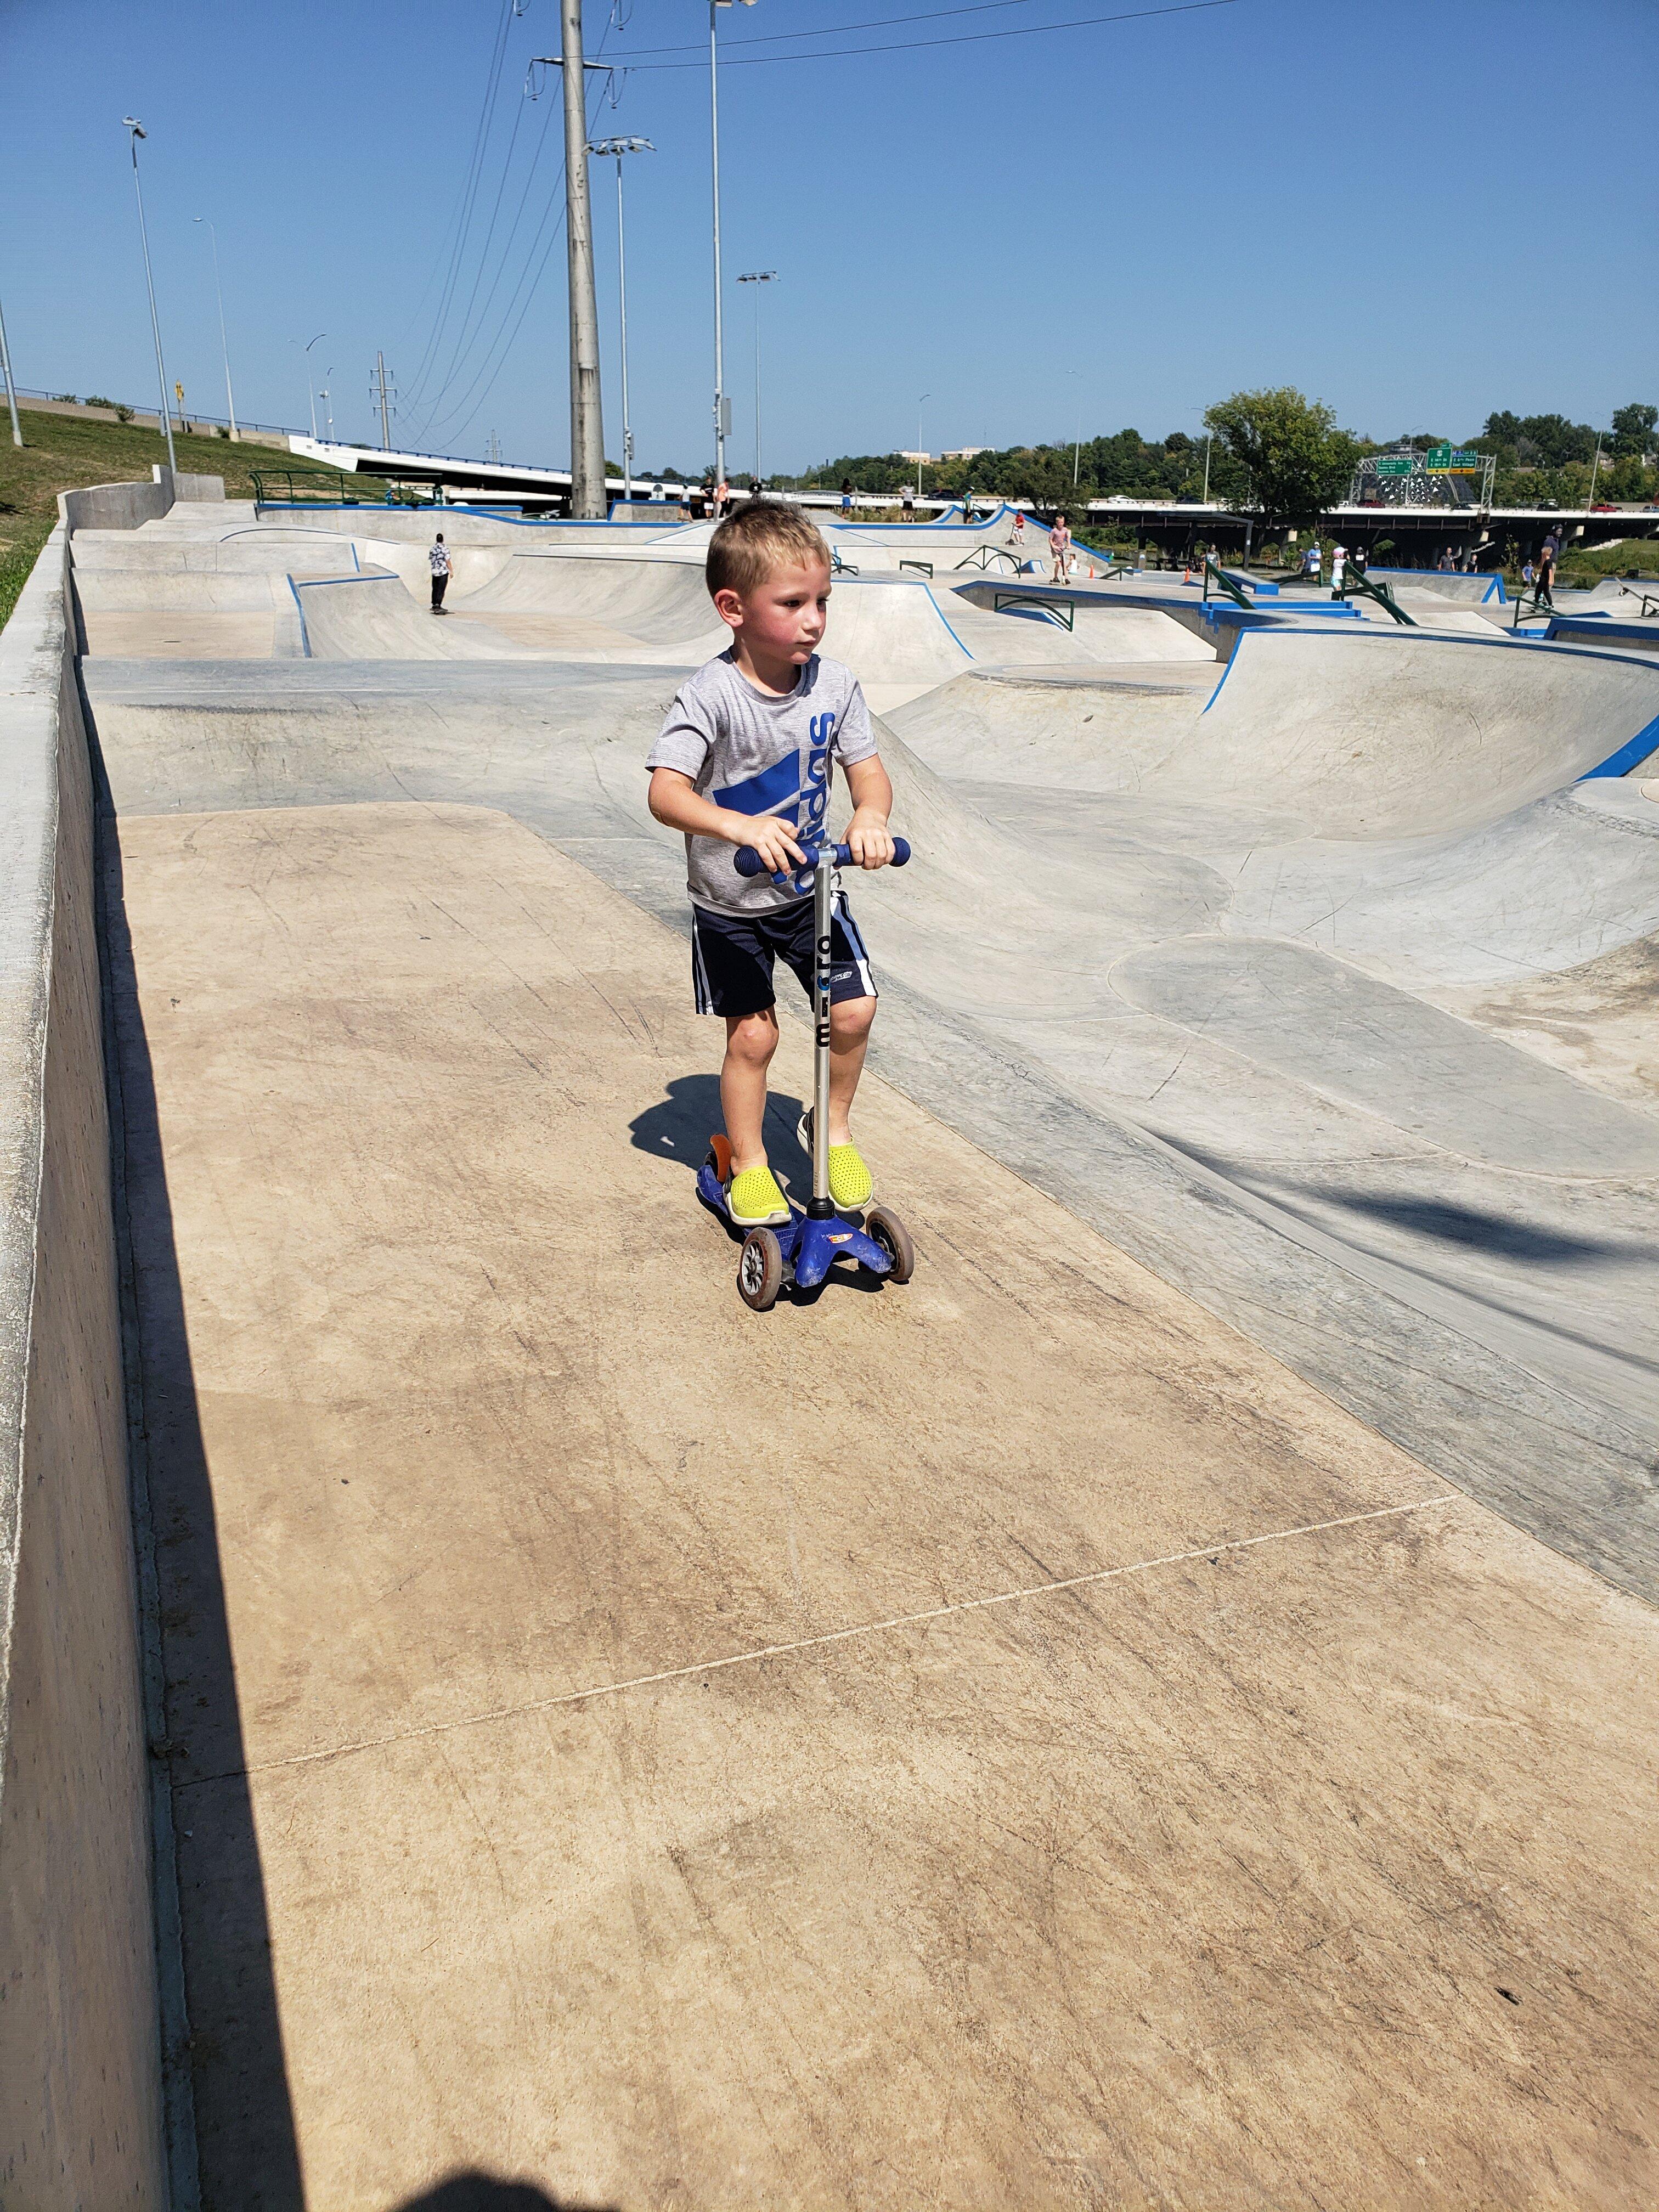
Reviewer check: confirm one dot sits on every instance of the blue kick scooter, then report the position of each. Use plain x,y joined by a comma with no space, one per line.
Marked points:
802,1250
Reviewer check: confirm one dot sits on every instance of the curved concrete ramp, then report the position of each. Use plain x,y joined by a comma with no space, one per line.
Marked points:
374,617
1352,736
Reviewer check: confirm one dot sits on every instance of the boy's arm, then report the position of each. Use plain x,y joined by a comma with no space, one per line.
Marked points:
871,792
674,799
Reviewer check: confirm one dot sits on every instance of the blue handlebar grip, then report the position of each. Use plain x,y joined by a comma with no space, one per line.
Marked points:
748,861
901,853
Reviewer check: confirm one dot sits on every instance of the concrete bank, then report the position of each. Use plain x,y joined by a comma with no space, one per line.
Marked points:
80,2054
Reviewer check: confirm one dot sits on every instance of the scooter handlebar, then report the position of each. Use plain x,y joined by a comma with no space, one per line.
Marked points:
749,862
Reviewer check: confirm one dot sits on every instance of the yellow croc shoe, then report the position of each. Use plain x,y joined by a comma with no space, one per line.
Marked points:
851,1184
753,1199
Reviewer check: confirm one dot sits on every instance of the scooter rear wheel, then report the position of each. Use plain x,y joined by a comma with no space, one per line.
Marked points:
894,1238
760,1270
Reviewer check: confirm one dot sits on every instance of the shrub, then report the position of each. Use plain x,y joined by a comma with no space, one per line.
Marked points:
123,413
68,396
97,399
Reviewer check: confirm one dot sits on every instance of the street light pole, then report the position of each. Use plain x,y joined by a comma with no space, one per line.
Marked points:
310,393
619,147
1208,442
1076,442
921,403
758,276
721,404
224,343
138,131
11,394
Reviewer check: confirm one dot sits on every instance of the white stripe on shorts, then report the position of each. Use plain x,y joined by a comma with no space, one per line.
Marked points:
842,912
704,996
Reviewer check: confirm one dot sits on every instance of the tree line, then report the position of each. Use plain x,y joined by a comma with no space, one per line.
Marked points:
1278,454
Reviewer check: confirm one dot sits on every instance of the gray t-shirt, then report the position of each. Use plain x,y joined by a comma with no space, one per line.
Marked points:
760,755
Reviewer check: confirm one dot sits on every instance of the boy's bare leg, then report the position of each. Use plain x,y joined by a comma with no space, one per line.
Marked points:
750,1042
849,1035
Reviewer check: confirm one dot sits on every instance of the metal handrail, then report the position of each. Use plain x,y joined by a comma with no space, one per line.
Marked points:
1354,579
926,568
326,487
1233,591
1521,602
838,566
1060,611
982,555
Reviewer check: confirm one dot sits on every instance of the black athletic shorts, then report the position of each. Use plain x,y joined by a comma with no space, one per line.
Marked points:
732,956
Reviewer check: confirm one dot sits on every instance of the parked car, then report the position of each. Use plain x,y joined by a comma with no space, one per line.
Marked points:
1604,506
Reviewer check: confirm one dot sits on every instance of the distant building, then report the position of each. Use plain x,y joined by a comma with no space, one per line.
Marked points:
921,460
962,453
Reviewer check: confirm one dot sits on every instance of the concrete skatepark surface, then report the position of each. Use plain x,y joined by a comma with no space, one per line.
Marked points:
1155,1711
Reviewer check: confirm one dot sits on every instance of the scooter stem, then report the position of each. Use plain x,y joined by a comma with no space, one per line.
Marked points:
823,875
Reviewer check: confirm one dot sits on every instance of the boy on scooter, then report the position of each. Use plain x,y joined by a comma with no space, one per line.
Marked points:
746,758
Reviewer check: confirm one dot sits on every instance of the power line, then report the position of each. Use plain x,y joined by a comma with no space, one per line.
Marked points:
469,194
834,30
965,39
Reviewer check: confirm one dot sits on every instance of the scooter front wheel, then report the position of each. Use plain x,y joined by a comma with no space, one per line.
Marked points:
886,1229
760,1270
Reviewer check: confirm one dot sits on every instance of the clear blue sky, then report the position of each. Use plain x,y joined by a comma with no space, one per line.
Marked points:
1418,212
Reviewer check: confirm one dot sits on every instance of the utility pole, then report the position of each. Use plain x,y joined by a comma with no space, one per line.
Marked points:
377,388
587,492
224,343
138,131
11,394
618,147
588,499
758,276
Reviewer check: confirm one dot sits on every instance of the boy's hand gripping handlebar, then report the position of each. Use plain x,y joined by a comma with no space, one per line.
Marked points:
748,862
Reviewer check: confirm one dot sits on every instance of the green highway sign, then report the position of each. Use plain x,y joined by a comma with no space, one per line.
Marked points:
1394,465
1437,457
1466,463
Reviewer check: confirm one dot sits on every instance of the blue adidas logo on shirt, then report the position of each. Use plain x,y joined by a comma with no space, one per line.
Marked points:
780,789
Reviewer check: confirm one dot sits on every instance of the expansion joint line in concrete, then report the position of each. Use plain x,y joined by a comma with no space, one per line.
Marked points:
831,1635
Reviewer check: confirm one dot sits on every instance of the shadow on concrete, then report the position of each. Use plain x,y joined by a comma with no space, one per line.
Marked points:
243,2135
1479,1231
678,1128
473,2191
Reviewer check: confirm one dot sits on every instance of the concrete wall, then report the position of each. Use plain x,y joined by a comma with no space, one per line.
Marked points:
80,2057
117,505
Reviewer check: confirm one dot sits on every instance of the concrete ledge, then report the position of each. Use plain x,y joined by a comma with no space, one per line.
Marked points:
80,2055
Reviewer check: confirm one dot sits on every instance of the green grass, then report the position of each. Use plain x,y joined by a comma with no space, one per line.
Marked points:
61,453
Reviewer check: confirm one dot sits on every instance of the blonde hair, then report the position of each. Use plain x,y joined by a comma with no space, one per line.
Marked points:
760,537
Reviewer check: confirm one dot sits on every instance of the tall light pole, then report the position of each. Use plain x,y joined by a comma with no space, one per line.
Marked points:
722,405
921,403
11,395
619,147
224,343
1076,442
328,402
138,131
758,276
1209,443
